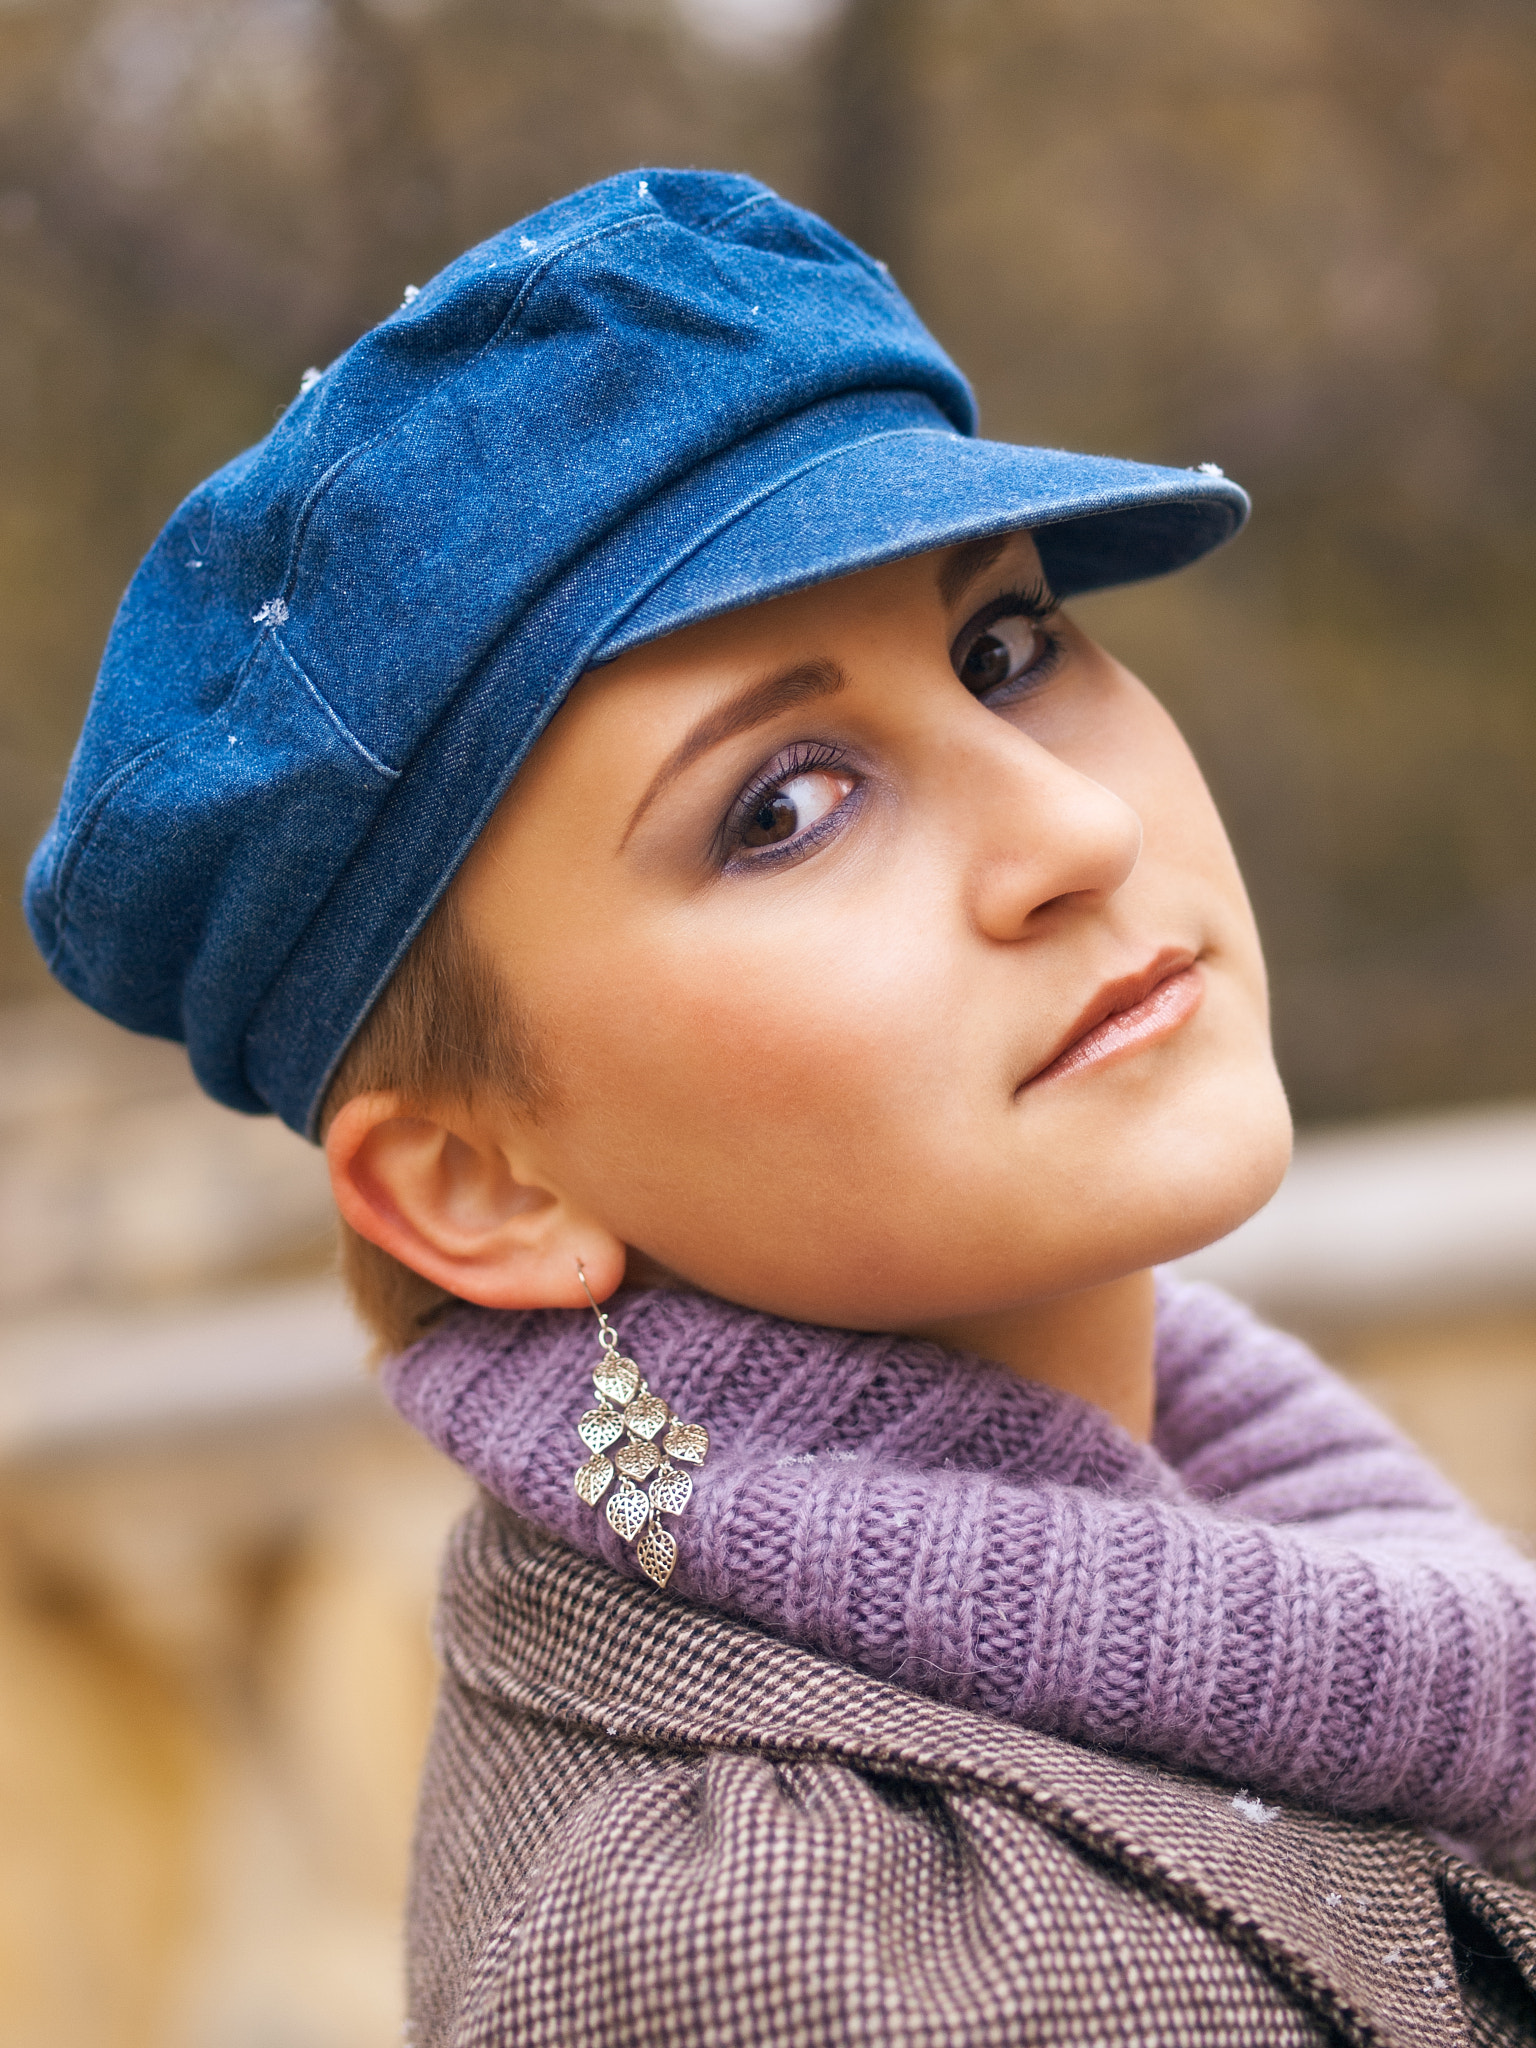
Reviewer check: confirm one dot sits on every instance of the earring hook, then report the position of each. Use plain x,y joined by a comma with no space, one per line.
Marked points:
581,1275
607,1335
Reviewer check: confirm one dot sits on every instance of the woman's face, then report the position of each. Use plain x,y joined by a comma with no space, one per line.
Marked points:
887,953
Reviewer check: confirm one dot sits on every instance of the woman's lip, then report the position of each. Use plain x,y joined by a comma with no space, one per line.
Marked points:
1126,1015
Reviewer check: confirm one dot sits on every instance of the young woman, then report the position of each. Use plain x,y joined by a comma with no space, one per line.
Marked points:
719,882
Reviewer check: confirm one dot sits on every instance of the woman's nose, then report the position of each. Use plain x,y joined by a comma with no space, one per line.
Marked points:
1044,835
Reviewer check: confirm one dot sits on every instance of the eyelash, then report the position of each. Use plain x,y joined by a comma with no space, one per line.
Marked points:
803,758
1032,600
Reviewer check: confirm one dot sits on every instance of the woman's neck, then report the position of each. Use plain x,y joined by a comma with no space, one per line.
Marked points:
1097,1344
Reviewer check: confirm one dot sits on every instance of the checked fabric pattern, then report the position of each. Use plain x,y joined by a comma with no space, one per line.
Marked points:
644,1824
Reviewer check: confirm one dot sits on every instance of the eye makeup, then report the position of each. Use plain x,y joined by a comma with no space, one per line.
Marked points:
762,827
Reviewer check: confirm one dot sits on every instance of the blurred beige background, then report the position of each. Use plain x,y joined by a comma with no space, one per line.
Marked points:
1294,239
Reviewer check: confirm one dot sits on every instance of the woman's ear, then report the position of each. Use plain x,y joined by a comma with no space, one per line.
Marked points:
447,1200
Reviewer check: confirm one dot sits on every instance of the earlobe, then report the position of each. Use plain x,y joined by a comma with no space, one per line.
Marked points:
442,1195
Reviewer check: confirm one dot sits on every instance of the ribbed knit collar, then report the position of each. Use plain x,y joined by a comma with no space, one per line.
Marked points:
502,1394
1251,1594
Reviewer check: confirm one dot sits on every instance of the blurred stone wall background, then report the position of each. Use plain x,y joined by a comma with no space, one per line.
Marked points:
1294,239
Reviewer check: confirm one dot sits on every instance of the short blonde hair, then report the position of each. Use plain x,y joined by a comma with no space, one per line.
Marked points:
444,1031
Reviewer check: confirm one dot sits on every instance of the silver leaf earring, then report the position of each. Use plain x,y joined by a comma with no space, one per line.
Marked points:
650,1483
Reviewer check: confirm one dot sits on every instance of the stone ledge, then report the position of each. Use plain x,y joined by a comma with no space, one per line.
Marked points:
78,1375
1426,1217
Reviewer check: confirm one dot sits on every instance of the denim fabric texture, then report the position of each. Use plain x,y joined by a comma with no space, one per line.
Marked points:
664,397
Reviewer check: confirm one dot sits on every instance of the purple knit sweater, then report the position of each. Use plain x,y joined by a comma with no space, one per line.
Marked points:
1280,1590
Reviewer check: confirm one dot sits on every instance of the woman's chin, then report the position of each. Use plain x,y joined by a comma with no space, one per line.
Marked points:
1225,1169
1180,1175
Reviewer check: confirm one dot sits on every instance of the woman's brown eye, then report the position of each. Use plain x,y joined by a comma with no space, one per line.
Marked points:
773,820
794,806
986,665
994,657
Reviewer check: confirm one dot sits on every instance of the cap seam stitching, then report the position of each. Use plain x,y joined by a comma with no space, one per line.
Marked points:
379,767
770,491
742,206
79,841
876,272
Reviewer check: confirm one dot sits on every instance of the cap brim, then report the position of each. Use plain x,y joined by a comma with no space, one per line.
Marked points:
1097,522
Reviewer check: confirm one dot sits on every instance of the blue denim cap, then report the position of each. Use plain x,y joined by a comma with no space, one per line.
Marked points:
667,396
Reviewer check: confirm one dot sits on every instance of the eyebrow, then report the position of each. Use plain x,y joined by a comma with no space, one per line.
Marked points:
754,705
967,561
